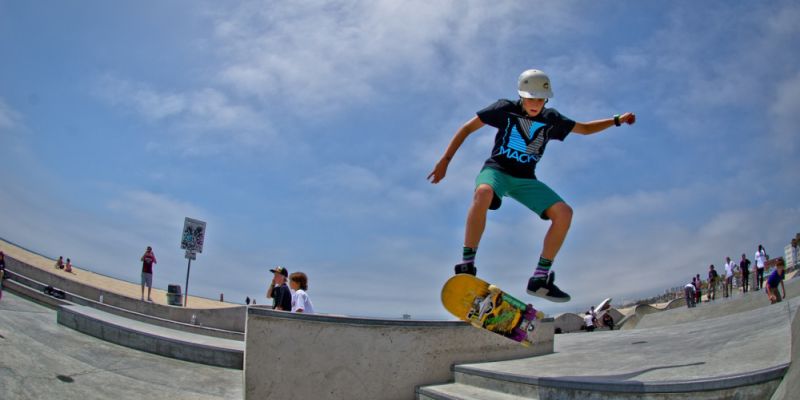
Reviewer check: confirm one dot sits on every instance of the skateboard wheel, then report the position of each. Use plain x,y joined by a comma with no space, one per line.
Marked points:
476,324
493,289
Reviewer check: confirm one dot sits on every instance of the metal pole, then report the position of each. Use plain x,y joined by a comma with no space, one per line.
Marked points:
186,291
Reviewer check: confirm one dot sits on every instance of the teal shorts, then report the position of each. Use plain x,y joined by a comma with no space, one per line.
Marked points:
532,193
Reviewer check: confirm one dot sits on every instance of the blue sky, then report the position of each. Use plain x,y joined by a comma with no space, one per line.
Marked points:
302,132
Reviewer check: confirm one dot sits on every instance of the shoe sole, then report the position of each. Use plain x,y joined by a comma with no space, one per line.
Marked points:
542,292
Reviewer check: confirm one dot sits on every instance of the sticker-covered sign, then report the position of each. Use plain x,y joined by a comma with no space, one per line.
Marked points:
194,232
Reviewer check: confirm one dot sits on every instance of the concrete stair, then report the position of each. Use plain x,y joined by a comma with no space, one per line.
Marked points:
460,391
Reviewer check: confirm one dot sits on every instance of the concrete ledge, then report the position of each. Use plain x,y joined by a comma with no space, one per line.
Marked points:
31,293
33,289
153,339
753,378
364,358
229,318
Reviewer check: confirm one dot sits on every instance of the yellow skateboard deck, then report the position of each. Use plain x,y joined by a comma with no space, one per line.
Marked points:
485,306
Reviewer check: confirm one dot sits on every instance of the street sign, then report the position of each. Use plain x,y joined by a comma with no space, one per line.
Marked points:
194,232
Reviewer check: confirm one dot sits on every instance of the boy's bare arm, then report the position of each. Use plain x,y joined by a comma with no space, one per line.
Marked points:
440,170
588,128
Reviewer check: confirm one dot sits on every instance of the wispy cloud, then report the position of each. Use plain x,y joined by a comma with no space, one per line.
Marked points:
205,117
329,55
9,118
158,211
786,119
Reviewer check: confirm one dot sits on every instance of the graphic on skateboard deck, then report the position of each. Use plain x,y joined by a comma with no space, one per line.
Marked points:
485,306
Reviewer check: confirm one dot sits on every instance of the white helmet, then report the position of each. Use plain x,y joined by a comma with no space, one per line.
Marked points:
534,84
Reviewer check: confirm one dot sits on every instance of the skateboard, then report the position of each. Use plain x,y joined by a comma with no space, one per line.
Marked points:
485,306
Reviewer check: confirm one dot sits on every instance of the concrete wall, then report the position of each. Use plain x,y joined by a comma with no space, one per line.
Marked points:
232,318
294,356
789,388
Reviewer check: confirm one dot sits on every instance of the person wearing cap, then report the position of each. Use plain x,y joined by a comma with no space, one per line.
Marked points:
278,291
524,128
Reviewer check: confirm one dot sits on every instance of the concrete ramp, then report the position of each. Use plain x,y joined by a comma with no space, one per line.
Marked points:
740,355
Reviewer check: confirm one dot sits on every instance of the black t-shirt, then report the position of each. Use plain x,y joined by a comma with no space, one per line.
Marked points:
744,266
520,140
712,274
282,296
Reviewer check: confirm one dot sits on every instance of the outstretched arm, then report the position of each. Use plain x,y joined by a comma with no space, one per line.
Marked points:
588,128
440,170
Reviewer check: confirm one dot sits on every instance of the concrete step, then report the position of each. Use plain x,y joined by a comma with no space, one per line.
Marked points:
460,391
153,339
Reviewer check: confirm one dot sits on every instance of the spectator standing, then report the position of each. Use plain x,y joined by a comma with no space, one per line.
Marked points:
744,268
588,320
777,276
795,261
148,259
247,300
298,282
713,280
278,291
727,287
698,294
761,262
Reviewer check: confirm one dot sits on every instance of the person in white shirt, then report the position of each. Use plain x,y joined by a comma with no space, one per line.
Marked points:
727,287
588,320
689,291
301,303
761,262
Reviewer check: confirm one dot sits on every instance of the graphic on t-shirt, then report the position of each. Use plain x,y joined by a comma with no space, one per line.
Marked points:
520,146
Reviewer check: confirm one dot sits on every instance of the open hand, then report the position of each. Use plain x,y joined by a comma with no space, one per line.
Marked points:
439,171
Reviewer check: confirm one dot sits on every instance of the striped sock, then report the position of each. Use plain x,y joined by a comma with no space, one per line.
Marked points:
543,268
468,254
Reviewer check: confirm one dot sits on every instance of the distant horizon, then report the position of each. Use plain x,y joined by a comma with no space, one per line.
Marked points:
624,303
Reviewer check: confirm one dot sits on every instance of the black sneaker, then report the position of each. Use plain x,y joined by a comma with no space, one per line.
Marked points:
466,268
545,288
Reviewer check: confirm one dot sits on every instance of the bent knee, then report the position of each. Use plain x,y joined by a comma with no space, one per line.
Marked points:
560,213
483,195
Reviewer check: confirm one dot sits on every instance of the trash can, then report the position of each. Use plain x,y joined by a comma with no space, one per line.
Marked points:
174,296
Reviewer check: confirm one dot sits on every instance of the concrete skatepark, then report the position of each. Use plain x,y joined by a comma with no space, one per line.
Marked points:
738,348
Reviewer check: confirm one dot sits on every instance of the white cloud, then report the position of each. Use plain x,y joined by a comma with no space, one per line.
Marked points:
156,211
205,118
786,120
324,56
9,118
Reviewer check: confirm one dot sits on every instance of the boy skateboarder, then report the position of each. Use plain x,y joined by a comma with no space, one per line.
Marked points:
523,129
